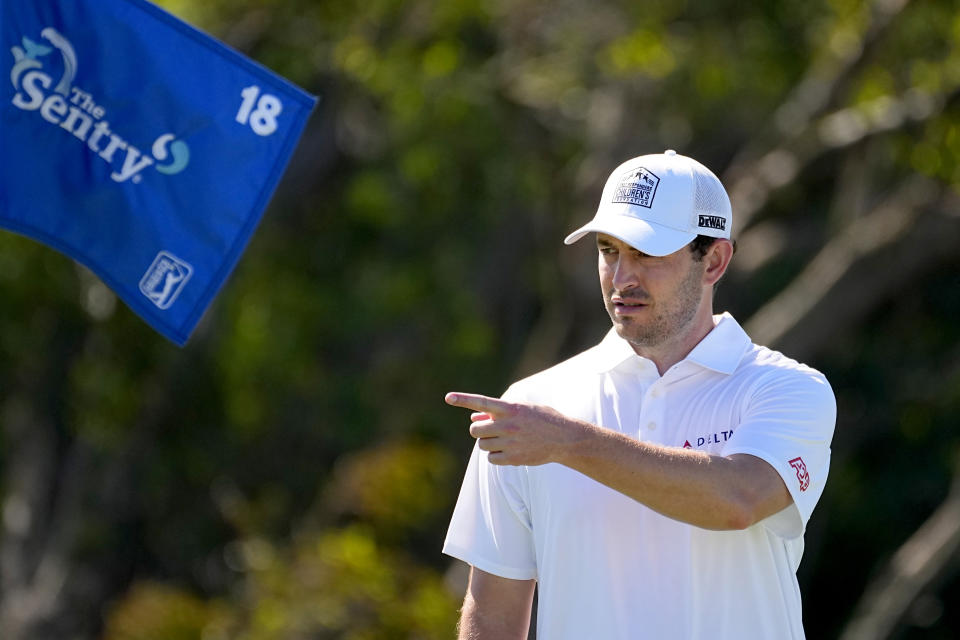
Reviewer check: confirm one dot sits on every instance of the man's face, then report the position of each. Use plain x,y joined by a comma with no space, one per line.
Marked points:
651,300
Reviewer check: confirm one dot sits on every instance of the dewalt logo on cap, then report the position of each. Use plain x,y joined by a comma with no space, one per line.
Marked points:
712,222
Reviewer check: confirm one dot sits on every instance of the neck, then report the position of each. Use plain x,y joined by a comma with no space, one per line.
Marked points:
669,353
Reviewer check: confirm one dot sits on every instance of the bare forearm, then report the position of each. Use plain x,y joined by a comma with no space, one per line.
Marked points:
712,492
477,624
495,608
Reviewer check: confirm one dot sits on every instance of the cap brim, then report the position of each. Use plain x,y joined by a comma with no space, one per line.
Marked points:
649,237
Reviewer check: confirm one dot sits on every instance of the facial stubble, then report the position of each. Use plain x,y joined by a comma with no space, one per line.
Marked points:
670,318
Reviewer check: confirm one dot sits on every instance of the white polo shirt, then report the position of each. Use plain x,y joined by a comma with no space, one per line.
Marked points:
612,569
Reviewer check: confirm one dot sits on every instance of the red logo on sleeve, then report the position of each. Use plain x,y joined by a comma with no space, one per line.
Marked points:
802,475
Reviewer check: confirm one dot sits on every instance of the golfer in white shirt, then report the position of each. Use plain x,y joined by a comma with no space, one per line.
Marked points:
656,486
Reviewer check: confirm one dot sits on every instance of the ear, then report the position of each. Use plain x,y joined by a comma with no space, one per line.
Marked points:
717,260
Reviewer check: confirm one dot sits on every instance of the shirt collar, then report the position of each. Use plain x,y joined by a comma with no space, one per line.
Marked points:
614,351
720,350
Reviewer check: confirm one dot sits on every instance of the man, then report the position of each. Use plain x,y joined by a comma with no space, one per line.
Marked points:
658,484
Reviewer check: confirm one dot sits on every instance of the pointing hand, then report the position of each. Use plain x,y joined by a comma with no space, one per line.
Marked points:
516,433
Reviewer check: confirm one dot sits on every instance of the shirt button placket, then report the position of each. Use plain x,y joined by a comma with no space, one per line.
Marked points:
652,419
643,416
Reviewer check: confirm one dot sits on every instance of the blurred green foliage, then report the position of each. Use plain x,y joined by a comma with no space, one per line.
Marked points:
152,611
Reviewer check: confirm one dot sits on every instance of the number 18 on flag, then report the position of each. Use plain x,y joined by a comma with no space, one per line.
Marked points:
263,119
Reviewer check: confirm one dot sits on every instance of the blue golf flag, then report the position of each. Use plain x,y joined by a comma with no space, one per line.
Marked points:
139,146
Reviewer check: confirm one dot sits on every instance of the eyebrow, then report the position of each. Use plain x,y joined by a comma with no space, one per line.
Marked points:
603,242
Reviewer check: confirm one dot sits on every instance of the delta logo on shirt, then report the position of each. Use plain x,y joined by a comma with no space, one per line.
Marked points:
718,437
79,113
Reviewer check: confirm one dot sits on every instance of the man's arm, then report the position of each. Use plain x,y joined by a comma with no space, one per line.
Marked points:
709,491
495,608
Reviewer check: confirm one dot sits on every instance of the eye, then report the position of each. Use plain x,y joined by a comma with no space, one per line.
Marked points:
640,255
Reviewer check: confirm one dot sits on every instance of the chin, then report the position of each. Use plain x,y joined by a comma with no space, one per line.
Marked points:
628,333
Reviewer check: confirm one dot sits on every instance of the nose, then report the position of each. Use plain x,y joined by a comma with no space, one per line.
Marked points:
624,275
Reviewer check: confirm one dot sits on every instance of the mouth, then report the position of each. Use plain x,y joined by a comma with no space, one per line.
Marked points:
623,306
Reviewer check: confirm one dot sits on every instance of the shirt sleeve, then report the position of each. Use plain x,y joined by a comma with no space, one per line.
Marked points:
788,421
490,528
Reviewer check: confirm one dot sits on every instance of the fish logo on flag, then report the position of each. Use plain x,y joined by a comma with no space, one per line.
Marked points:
153,167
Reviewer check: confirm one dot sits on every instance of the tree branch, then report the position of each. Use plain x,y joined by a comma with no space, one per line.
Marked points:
919,562
799,318
768,163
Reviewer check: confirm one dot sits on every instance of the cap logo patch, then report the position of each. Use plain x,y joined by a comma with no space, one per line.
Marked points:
713,222
638,187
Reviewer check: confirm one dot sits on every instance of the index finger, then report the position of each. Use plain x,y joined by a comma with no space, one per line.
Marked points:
477,402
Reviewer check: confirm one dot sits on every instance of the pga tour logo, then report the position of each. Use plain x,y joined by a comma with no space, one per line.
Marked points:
165,279
77,112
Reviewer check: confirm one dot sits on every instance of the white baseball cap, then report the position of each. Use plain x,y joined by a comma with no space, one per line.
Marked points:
660,202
